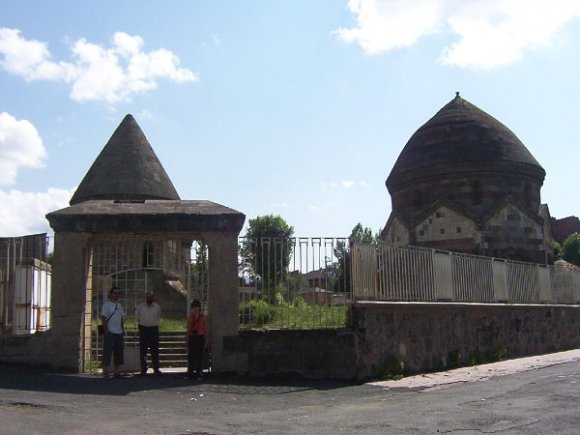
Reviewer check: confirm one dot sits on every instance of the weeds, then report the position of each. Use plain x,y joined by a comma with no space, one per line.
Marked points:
296,315
391,368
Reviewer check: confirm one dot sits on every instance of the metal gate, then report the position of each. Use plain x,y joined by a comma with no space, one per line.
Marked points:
176,270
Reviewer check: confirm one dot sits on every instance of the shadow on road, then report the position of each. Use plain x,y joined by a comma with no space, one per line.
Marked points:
34,379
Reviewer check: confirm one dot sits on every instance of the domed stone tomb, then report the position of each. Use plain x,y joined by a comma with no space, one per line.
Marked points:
466,183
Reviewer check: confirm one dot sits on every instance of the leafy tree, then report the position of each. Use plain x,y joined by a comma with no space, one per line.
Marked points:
199,268
359,234
266,250
571,249
557,250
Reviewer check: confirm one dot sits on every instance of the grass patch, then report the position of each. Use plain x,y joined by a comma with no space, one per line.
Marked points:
260,314
165,325
296,315
173,325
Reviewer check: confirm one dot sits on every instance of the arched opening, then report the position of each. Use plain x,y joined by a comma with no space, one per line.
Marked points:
176,270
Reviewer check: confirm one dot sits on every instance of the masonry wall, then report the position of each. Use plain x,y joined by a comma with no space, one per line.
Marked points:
314,354
425,337
418,337
415,337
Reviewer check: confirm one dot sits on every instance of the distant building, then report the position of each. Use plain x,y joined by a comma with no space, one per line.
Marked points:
464,182
562,228
321,278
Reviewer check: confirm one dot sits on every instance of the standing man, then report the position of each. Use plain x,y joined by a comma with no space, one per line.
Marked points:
112,317
148,314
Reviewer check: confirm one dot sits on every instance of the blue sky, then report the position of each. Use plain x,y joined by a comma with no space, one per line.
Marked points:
298,108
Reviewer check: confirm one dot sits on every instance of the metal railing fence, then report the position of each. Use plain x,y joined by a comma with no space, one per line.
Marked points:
380,272
25,284
298,282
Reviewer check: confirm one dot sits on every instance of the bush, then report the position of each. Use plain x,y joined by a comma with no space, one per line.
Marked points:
264,312
571,249
297,315
390,368
256,312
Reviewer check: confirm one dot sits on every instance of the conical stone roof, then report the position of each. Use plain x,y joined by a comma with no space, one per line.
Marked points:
126,169
462,138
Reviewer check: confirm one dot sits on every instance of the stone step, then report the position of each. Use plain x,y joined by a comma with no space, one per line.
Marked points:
162,337
175,350
172,348
163,362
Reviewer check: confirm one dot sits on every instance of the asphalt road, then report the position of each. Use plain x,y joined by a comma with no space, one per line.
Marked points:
540,398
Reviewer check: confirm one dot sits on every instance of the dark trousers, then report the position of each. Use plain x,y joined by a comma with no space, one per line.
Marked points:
149,340
113,346
195,345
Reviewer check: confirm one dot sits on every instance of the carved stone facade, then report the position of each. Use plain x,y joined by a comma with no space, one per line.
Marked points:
464,182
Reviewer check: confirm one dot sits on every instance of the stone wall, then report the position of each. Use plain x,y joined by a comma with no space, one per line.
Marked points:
314,354
407,338
562,228
425,337
385,338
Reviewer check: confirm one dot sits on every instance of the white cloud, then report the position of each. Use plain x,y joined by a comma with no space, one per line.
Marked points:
110,74
347,184
30,59
384,25
491,33
20,146
24,212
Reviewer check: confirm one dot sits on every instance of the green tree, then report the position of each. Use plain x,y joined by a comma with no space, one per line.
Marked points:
359,234
557,250
199,268
571,249
266,251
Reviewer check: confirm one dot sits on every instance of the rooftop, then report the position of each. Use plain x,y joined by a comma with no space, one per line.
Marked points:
126,169
462,138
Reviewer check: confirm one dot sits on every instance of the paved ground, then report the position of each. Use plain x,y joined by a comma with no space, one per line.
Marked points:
536,395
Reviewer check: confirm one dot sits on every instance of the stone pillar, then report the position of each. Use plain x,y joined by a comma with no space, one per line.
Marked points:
69,278
223,300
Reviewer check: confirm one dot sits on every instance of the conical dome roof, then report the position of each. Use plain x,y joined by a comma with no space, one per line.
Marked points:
126,169
462,138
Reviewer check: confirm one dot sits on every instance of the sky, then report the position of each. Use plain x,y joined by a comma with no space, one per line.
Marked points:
294,108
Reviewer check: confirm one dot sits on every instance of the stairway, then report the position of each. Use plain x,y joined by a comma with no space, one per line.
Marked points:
172,348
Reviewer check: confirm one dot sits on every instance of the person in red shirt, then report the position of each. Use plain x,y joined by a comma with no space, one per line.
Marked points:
196,332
